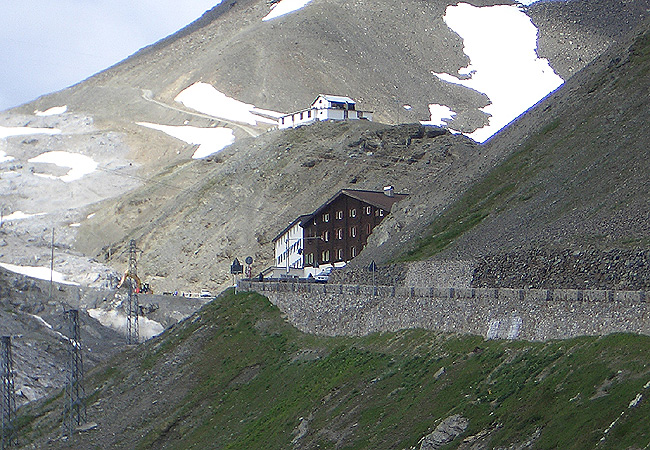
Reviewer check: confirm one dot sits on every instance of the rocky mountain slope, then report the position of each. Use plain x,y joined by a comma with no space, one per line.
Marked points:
33,315
381,55
574,191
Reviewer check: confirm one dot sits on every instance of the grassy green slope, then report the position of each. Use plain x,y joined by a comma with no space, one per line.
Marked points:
236,376
578,174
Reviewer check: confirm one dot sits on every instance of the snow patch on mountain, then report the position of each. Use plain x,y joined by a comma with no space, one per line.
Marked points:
285,7
80,165
209,140
19,215
203,97
440,115
6,132
53,111
501,42
42,273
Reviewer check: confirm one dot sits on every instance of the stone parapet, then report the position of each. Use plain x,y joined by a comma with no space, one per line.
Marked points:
530,314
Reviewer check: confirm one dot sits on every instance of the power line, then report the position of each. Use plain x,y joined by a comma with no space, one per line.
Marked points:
133,308
8,394
74,410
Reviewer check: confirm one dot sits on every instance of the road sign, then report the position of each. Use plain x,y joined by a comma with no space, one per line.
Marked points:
236,268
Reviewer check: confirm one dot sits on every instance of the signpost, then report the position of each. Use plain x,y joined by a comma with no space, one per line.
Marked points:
235,269
249,262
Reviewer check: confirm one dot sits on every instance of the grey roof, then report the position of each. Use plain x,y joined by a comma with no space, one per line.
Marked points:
337,98
299,219
374,198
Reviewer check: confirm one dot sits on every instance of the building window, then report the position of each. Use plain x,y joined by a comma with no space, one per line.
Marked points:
369,228
353,212
325,256
353,251
353,231
326,217
339,233
379,213
368,210
309,113
282,120
310,258
339,215
326,236
339,254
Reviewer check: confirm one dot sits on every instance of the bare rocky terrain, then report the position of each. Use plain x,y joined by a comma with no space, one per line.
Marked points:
191,218
559,198
146,179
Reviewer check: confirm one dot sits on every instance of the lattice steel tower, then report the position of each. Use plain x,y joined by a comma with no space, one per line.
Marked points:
8,393
133,308
74,409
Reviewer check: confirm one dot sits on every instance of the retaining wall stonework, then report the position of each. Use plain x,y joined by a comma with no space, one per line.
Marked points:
534,314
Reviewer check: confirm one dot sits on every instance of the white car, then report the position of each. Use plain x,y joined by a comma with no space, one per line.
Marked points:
324,275
205,293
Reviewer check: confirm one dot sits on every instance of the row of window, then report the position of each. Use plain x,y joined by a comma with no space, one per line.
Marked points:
340,233
325,255
352,213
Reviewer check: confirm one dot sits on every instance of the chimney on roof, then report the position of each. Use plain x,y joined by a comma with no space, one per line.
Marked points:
389,191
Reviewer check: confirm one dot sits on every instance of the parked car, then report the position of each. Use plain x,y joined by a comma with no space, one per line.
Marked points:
324,275
205,293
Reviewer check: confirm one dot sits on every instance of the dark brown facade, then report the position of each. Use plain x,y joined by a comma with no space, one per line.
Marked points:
339,230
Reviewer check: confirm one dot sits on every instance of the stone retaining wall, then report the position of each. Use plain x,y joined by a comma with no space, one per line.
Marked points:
535,314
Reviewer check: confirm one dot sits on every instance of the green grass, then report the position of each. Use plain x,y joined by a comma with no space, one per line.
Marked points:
250,391
488,196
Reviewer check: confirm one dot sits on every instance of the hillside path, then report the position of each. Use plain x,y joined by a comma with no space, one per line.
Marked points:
148,96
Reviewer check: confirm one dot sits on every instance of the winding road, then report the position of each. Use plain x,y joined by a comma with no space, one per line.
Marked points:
148,96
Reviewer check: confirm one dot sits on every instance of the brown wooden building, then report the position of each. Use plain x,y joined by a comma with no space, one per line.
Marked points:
338,230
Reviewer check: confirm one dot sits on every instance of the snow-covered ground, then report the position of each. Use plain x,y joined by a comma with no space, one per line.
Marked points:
18,215
203,97
285,7
42,273
53,111
210,140
501,42
25,131
80,165
440,115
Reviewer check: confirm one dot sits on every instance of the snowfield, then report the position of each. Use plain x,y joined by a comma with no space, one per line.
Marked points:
501,42
203,97
209,140
284,7
42,273
440,115
6,132
80,165
19,215
55,110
